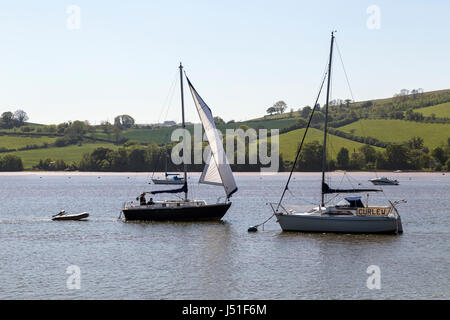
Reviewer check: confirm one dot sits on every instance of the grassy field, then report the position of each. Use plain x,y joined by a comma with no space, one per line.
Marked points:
163,134
261,124
156,135
440,111
16,142
290,141
433,134
68,154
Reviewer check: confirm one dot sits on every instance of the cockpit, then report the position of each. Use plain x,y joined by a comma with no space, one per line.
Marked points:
350,202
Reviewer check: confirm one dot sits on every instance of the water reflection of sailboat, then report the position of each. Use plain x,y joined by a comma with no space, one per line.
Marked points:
348,216
216,172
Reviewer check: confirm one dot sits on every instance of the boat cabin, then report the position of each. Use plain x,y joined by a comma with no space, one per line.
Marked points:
166,204
351,202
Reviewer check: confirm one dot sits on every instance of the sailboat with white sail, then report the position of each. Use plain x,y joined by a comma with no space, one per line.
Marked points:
350,215
216,172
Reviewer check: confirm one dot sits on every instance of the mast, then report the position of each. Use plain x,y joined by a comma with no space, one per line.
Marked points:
325,129
166,163
184,128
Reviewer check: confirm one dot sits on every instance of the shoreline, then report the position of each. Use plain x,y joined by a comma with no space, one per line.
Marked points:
243,173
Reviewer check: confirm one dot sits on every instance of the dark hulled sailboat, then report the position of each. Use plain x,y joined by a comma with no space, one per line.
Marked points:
216,172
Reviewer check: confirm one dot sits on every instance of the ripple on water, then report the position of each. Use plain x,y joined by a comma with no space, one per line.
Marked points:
121,260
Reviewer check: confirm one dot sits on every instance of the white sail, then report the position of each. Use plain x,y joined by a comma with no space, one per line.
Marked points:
217,171
210,174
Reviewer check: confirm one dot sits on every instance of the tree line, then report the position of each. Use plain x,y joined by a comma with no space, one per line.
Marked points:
410,155
11,162
134,157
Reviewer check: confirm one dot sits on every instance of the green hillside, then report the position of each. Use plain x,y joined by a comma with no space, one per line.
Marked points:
69,154
162,135
289,143
441,110
385,121
433,134
17,142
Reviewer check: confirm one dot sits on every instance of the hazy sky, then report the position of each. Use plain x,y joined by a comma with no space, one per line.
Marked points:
242,56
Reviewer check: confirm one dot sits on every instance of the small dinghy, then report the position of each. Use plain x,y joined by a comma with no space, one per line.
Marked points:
62,215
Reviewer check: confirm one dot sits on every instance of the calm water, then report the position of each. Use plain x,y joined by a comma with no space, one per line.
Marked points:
121,260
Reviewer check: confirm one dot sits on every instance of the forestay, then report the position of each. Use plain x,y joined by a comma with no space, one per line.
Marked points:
217,171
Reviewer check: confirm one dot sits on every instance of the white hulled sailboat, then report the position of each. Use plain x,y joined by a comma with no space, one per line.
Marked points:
348,216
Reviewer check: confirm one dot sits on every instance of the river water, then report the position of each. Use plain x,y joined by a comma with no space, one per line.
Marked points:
220,260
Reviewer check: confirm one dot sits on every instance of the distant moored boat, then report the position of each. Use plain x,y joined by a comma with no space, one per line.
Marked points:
384,181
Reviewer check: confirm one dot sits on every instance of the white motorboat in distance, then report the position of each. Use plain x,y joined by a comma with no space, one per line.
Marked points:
384,181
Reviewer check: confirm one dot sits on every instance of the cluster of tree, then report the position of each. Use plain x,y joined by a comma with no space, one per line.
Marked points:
73,132
123,121
219,121
405,92
11,120
340,102
54,165
278,108
134,158
411,155
11,162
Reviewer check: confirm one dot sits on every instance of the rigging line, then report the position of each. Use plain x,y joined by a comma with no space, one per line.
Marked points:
168,99
355,180
350,181
300,199
348,82
171,98
338,194
300,147
331,199
351,93
345,72
157,162
301,143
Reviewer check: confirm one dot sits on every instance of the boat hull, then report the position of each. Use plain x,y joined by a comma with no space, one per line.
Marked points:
80,216
192,213
381,183
339,224
162,181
